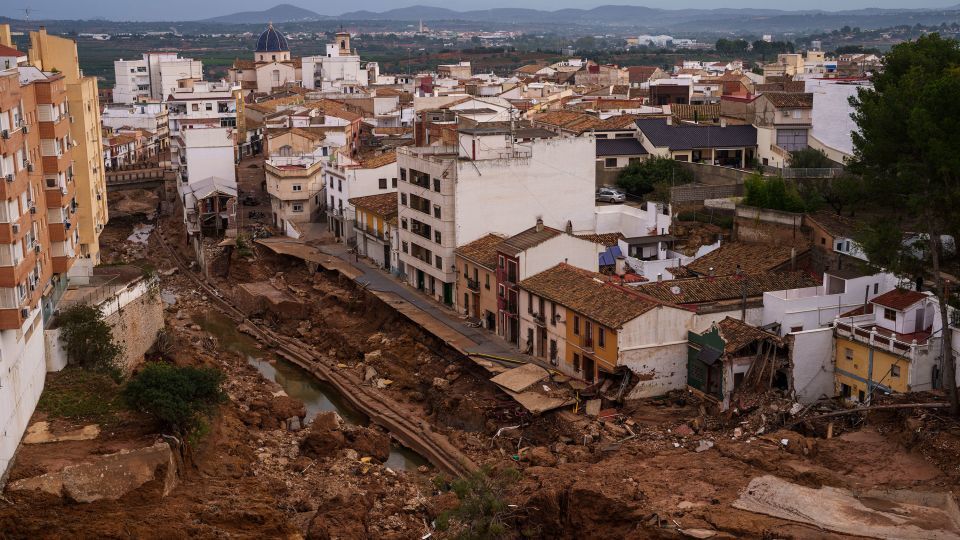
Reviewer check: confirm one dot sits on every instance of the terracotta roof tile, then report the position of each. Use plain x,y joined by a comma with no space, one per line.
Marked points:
589,294
899,299
382,204
706,289
607,239
379,160
737,334
751,259
834,224
482,251
785,100
527,239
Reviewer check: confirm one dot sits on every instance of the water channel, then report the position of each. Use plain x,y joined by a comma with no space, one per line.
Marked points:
316,395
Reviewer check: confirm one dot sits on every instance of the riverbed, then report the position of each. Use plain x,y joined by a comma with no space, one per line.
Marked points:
316,395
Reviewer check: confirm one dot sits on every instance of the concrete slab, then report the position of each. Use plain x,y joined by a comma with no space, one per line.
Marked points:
520,378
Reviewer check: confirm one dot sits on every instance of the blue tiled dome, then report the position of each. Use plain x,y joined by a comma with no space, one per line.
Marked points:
271,41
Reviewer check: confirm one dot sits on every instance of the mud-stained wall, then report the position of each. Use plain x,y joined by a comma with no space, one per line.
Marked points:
136,325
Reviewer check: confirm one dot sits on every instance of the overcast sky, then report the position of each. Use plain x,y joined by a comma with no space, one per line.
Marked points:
193,9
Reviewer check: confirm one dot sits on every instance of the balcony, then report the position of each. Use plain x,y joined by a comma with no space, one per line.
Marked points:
473,285
586,343
883,339
12,184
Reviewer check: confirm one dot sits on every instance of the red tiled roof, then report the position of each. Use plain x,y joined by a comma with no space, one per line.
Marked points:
899,299
737,334
10,51
482,251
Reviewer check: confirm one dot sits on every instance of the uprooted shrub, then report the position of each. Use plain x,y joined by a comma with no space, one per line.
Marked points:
482,512
180,398
89,341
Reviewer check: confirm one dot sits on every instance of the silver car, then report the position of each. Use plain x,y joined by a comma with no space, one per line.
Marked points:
610,195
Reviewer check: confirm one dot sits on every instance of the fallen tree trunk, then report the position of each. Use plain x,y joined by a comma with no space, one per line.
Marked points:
875,408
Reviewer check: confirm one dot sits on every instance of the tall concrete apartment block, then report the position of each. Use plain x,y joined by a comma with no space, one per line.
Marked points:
495,180
152,78
52,53
37,238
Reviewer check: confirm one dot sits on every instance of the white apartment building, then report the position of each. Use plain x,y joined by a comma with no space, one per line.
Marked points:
339,70
154,77
346,178
491,182
201,104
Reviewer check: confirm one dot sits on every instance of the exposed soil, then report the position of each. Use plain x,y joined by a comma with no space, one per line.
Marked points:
637,474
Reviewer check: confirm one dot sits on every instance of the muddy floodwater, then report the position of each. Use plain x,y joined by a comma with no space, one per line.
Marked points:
316,395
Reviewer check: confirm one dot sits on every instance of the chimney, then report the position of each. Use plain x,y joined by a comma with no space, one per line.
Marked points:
710,272
539,224
569,227
620,265
659,276
670,120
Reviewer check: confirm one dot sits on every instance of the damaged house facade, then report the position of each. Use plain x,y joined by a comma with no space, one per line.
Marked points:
600,328
891,345
733,356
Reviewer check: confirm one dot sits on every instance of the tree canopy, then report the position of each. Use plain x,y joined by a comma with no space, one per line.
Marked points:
906,152
654,175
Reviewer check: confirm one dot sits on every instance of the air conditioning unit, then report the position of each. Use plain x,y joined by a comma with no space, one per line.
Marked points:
16,228
71,118
25,312
99,197
36,248
9,177
33,209
67,225
26,129
5,134
29,167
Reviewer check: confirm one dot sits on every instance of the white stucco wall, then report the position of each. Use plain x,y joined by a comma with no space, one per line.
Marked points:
22,374
812,357
556,184
654,346
209,153
631,221
563,248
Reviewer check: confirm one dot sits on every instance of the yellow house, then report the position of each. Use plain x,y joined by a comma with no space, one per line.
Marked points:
601,328
886,347
476,286
375,227
51,53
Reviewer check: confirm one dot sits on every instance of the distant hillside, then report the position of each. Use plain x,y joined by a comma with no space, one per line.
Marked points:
638,18
279,14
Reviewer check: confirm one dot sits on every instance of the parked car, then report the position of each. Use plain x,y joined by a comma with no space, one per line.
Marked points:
611,195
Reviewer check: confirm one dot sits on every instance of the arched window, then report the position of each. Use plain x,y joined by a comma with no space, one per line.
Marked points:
286,150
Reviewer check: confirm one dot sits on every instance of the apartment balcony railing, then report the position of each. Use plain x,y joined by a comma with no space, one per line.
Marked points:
877,340
586,343
473,284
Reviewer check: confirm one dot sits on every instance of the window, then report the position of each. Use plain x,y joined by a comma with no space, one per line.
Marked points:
208,106
393,182
610,163
895,371
195,107
500,261
601,337
339,185
486,284
298,207
876,288
436,185
436,211
540,309
405,247
436,237
403,199
823,241
576,362
576,325
403,174
439,262
796,329
297,187
848,354
889,314
403,223
553,313
382,183
501,291
530,298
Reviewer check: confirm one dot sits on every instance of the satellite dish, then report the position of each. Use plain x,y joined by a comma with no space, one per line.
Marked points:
675,289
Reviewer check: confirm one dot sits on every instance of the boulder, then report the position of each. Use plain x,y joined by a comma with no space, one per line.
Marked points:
109,477
540,456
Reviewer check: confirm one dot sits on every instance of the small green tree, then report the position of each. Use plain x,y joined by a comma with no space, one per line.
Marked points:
641,178
178,397
482,513
88,339
773,193
810,158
